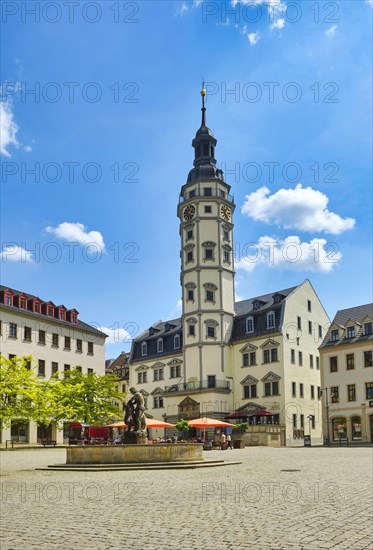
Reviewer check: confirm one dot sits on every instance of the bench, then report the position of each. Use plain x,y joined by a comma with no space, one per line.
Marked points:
49,442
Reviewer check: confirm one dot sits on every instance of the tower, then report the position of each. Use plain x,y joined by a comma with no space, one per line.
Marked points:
205,211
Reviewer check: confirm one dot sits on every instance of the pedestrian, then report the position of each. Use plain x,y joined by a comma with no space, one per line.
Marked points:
229,442
222,440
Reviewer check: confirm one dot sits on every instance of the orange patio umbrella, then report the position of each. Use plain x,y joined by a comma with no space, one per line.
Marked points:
119,424
150,423
209,423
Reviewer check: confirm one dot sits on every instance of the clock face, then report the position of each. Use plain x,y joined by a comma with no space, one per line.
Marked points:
189,212
226,213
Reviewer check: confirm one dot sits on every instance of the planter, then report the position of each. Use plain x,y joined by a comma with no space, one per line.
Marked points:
238,444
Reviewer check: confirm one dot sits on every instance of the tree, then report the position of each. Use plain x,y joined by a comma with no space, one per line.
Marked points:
88,398
18,385
183,426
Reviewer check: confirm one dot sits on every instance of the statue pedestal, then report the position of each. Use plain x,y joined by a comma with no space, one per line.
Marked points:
132,438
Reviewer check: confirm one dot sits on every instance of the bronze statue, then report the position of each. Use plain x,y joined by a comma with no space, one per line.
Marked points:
135,413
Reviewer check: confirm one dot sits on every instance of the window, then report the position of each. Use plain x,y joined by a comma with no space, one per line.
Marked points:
302,421
41,337
351,392
79,345
300,358
160,345
295,421
73,318
207,191
210,296
37,307
226,236
367,358
309,305
54,368
210,332
28,365
313,421
309,327
78,368
250,324
250,391
66,368
90,348
249,359
209,254
158,374
333,362
350,332
144,348
12,330
211,381
350,361
50,311
190,234
67,342
158,402
22,303
208,209
226,257
62,315
55,340
41,367
368,390
312,392
142,377
177,341
368,328
191,331
8,299
190,295
335,335
271,388
27,334
175,371
11,356
270,320
334,394
293,389
192,193
320,331
292,356
311,361
301,390
270,355
299,323
317,363
318,392
89,371
189,256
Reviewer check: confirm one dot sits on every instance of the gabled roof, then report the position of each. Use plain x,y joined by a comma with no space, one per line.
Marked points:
245,307
356,314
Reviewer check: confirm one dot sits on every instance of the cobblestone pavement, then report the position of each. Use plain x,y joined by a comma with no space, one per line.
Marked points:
277,499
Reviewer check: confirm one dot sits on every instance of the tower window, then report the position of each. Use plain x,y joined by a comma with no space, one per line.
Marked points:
198,151
190,234
192,331
212,151
226,257
210,296
208,209
211,332
189,256
207,191
205,150
226,235
190,295
209,254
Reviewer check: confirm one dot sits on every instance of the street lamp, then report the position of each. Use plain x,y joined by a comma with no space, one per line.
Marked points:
326,390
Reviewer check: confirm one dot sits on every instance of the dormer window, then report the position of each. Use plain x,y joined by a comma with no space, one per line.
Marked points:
368,328
22,303
334,335
160,345
351,332
62,315
256,304
270,320
37,307
73,318
8,299
144,348
250,324
176,341
50,311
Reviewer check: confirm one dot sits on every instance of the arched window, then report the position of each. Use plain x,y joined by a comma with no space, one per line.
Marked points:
160,345
144,348
270,320
176,341
250,324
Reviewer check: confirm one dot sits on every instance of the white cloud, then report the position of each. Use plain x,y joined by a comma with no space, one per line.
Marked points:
28,148
176,312
8,128
15,253
253,37
318,255
182,9
278,23
301,208
369,2
77,232
117,335
331,30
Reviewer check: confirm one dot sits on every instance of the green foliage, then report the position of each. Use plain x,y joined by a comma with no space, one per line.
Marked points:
241,427
74,397
183,425
17,389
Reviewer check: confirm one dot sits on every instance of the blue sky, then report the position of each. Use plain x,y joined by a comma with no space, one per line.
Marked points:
109,128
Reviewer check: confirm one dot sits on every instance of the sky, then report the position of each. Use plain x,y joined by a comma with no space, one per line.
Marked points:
99,105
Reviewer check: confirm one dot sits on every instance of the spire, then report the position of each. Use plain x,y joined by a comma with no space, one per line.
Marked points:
204,150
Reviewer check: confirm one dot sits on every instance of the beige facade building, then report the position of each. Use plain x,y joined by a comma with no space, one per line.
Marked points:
55,338
256,359
347,376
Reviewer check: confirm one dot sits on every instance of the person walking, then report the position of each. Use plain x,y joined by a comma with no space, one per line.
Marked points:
229,442
222,440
